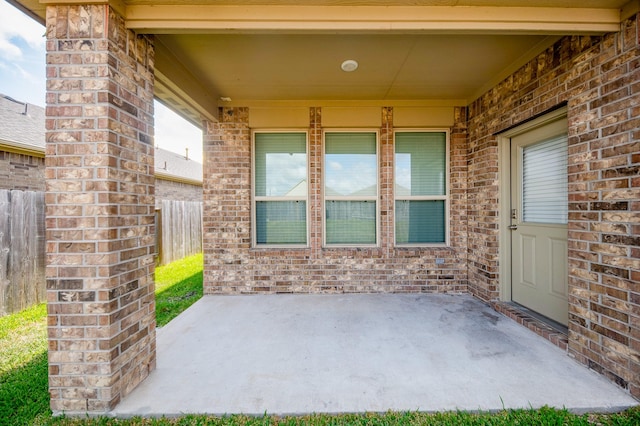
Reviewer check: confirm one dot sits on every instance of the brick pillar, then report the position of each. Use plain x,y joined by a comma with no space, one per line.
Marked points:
458,180
316,181
100,208
387,202
227,202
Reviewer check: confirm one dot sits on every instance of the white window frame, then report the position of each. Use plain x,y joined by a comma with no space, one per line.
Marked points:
255,199
375,198
445,198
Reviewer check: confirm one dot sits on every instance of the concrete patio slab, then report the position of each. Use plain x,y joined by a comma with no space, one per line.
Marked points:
292,354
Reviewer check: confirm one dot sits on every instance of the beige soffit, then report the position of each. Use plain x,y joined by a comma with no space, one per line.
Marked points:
177,88
409,50
255,51
305,68
629,9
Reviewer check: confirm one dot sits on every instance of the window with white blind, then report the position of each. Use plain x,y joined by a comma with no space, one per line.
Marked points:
421,189
544,181
280,189
351,188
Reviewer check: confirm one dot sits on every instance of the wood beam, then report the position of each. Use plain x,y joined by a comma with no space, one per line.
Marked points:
438,19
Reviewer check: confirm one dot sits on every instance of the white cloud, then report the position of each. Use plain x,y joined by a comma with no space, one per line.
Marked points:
16,26
175,134
22,56
284,172
355,175
26,74
334,165
9,50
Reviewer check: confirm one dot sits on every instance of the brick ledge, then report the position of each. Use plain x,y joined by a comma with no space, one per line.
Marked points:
539,327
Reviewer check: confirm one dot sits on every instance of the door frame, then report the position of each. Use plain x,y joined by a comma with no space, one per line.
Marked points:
504,214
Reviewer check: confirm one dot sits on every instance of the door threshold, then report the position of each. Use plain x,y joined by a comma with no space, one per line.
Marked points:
553,331
551,323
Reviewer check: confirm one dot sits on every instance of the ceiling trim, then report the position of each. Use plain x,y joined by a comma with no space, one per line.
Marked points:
410,103
161,19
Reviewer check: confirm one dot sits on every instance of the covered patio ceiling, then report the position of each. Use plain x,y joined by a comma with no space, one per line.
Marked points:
418,52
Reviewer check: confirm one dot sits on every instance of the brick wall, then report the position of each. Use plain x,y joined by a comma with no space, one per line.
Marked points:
233,266
100,208
599,79
179,191
26,172
21,171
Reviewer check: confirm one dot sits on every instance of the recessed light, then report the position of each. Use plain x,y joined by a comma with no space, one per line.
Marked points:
349,65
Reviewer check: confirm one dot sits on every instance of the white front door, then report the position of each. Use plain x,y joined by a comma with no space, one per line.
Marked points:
539,220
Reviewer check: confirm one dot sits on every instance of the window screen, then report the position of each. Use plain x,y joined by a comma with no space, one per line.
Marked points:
420,187
280,188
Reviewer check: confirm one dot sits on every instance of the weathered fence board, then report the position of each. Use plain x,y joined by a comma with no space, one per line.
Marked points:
180,227
22,250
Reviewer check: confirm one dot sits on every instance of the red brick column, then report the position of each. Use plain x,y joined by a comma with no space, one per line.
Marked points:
227,201
100,208
316,182
458,181
387,179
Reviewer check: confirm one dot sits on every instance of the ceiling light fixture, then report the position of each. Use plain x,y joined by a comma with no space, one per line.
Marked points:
349,65
225,98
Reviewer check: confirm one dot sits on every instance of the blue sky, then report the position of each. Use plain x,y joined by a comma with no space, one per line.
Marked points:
22,77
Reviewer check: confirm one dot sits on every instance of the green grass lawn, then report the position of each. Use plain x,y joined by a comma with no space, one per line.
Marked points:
544,416
24,398
24,395
178,286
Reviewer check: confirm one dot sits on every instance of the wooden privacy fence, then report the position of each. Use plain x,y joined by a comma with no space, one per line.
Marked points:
179,230
22,250
22,243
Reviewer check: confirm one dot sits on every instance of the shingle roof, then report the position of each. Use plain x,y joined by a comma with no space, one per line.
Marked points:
170,164
21,123
22,126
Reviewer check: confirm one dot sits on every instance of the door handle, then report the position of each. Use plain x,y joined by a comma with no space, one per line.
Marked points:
513,227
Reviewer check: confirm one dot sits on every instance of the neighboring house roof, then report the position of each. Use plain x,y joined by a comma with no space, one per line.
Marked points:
299,190
402,191
172,166
364,192
22,130
21,126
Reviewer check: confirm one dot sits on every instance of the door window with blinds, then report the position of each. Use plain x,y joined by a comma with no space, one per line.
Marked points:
544,182
421,188
280,189
350,188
